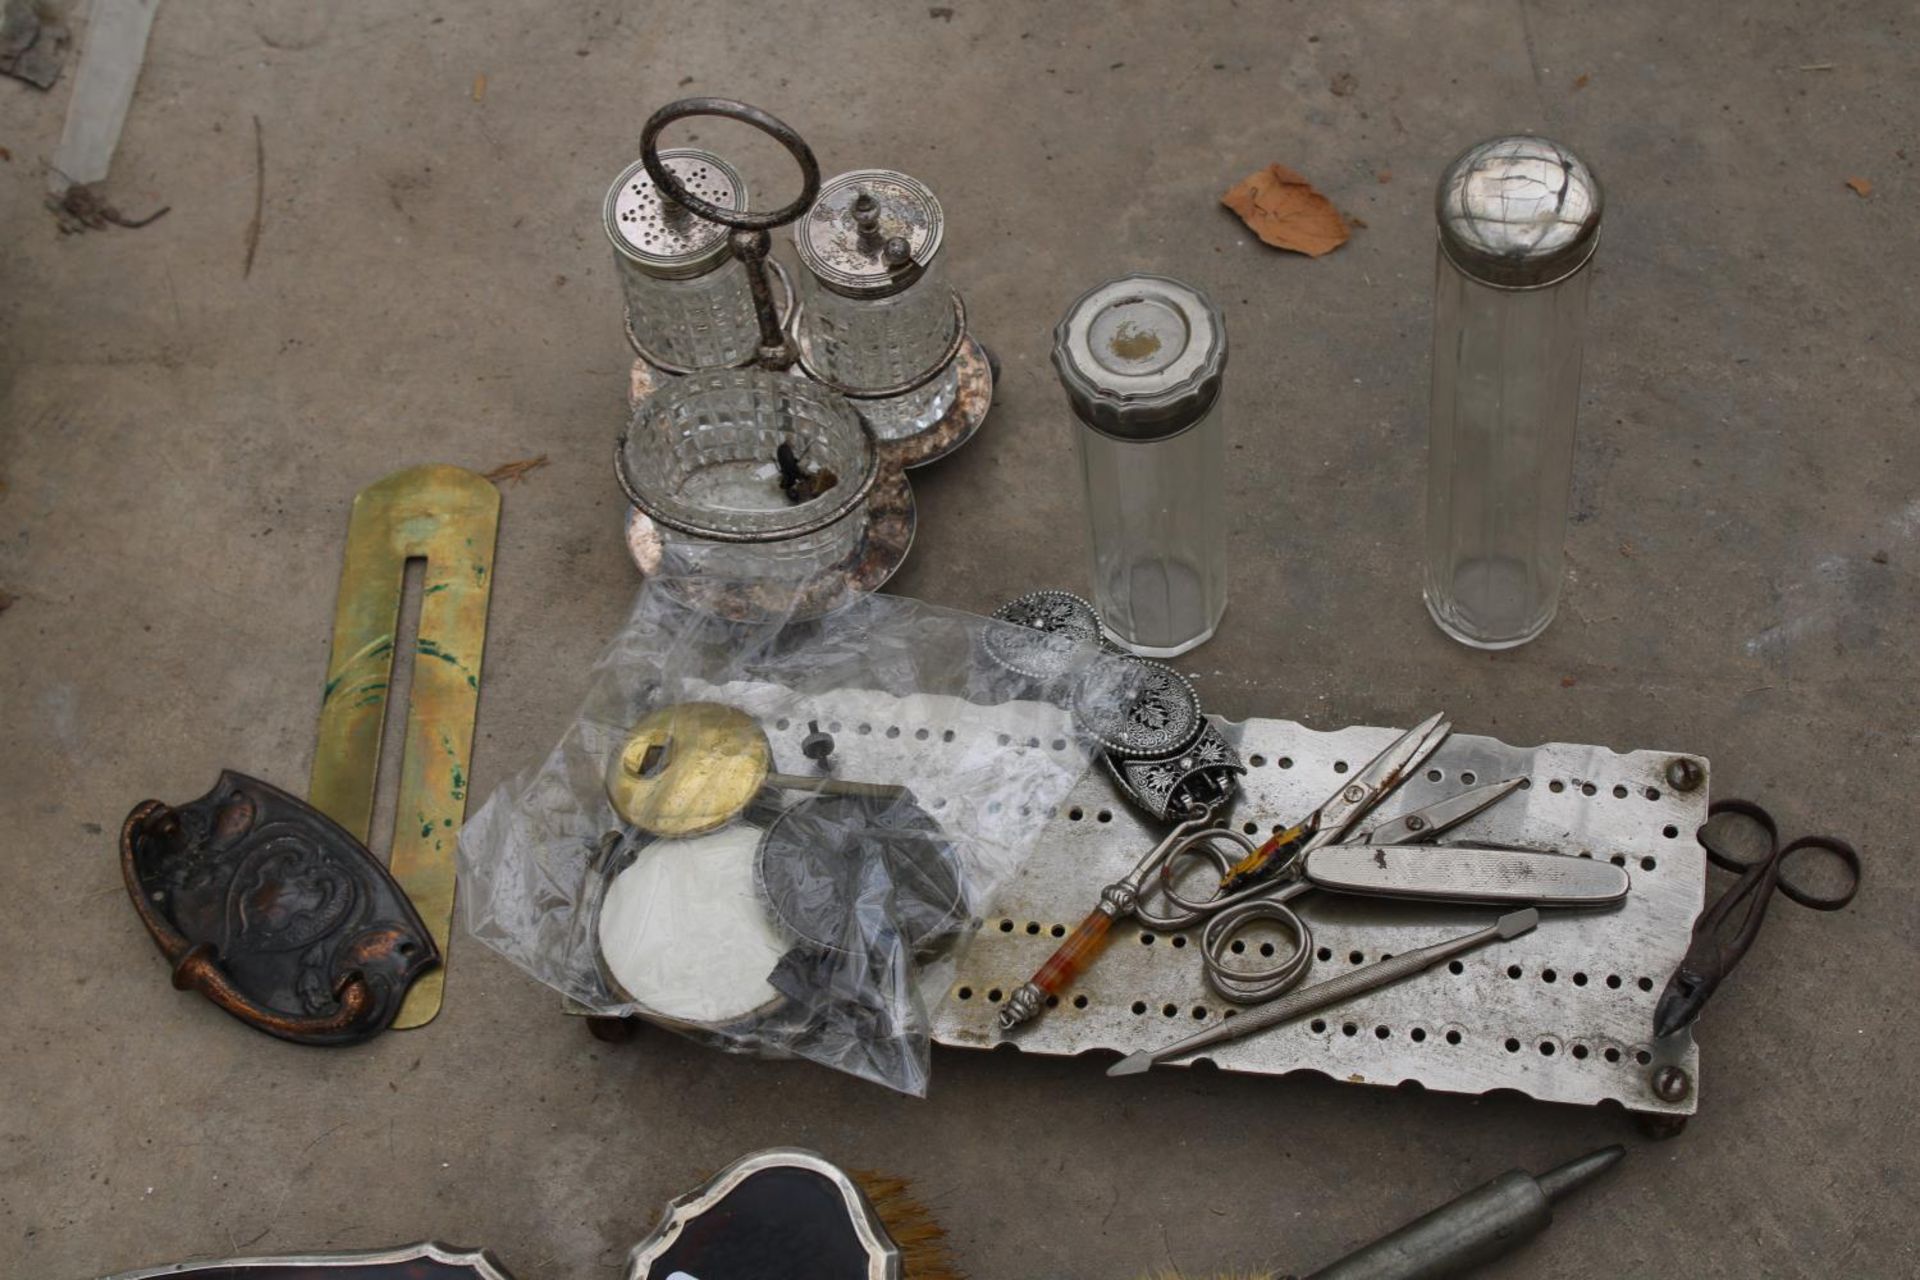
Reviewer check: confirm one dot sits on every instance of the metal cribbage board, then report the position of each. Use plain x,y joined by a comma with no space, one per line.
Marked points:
1575,1024
1564,1014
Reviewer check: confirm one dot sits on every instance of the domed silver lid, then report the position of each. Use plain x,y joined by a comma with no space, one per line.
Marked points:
870,233
1141,357
660,237
1518,212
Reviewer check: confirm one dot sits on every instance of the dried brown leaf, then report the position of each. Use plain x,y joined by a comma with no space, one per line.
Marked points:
480,87
1385,176
1284,210
1581,81
516,471
1862,187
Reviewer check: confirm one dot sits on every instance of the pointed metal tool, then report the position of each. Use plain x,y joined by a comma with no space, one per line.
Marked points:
449,517
1321,994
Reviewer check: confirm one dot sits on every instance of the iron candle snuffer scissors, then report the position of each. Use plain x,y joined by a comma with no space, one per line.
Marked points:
1726,930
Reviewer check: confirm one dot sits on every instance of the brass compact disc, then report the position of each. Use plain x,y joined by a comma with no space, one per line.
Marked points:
689,768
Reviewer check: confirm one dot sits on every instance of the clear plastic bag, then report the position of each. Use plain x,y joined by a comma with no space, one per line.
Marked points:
765,914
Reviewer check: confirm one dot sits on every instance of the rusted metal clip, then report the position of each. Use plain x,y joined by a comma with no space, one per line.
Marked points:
274,912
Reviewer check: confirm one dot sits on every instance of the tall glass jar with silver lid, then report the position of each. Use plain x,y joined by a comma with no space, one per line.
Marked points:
1142,359
878,321
1519,221
689,303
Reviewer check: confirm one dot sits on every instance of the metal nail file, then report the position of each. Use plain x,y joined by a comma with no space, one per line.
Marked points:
450,518
1321,994
1459,873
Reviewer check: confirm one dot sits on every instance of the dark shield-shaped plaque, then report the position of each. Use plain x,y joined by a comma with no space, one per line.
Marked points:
786,1212
413,1262
274,912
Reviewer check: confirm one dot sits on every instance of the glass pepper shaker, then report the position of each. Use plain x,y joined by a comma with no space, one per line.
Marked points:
689,301
1519,220
878,322
1142,359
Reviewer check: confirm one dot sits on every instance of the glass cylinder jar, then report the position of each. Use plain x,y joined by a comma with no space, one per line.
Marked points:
1519,220
878,320
689,304
749,476
1142,359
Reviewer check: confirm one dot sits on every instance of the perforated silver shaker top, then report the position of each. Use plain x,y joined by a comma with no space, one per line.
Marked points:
662,238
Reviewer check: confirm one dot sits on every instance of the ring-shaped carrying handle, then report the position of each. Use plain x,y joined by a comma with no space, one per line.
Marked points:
670,185
354,1003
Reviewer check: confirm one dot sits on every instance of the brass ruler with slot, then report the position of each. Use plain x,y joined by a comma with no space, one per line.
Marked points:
449,518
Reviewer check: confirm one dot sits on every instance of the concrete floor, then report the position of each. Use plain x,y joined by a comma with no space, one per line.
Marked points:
179,446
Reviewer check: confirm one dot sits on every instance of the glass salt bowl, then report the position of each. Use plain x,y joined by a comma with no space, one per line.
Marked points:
749,477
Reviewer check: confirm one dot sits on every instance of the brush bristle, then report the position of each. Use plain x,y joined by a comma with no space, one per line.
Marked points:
924,1254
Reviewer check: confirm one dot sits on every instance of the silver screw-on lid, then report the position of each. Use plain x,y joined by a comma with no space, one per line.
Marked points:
661,237
1518,212
870,233
1141,357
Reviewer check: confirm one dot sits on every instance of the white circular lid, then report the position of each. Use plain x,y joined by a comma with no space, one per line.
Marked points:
683,933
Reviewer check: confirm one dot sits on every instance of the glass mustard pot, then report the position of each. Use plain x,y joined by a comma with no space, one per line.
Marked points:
878,321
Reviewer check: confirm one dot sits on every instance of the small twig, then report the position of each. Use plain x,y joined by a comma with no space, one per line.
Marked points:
82,208
515,471
134,224
323,1137
259,196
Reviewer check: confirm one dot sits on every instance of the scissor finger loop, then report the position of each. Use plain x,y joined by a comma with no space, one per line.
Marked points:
1251,986
1200,844
1715,843
1834,848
